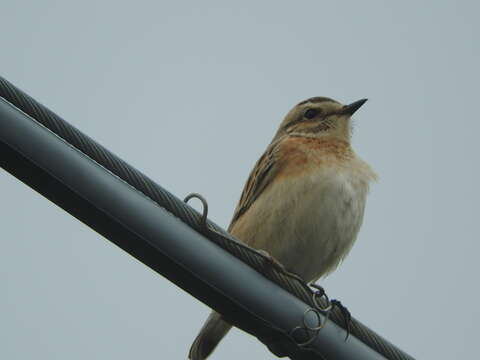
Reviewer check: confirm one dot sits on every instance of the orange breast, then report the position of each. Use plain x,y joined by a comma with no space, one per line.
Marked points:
298,155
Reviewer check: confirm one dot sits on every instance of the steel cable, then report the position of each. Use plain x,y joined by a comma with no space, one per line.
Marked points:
188,215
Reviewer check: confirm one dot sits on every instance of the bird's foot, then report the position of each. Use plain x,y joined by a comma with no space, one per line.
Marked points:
320,290
345,313
320,298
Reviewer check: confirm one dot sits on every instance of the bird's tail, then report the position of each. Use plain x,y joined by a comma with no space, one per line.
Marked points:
214,329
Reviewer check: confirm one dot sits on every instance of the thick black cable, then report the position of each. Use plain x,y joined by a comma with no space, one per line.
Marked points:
186,214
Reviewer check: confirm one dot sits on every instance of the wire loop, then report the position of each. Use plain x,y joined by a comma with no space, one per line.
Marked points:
319,294
318,310
204,204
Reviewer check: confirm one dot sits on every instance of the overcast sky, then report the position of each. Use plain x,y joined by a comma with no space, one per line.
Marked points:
190,93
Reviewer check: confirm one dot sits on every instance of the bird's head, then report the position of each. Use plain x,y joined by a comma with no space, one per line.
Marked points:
320,116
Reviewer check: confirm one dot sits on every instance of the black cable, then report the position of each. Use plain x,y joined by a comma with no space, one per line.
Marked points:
188,215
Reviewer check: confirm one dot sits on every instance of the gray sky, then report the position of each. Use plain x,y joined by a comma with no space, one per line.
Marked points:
190,93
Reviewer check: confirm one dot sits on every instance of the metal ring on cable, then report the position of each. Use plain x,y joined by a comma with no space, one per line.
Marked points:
320,291
317,313
205,207
313,330
302,344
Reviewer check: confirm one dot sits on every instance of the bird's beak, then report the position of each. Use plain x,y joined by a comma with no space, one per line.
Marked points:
351,108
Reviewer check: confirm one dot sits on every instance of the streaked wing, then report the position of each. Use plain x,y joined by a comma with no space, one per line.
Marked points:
260,177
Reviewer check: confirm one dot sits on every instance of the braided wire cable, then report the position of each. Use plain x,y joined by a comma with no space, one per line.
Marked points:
189,216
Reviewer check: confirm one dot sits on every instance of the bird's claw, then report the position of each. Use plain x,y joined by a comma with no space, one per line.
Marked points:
345,313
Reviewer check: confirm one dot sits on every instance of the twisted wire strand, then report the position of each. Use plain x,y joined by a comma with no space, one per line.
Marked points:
189,216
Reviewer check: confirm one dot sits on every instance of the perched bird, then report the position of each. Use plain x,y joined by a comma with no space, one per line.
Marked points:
304,200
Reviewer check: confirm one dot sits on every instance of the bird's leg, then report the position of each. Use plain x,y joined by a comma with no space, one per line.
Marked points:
272,261
277,264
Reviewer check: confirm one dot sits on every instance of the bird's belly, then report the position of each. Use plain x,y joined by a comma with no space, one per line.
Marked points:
309,223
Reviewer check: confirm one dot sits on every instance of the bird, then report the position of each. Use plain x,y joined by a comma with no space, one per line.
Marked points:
304,200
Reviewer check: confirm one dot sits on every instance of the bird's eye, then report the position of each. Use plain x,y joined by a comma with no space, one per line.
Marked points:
310,113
